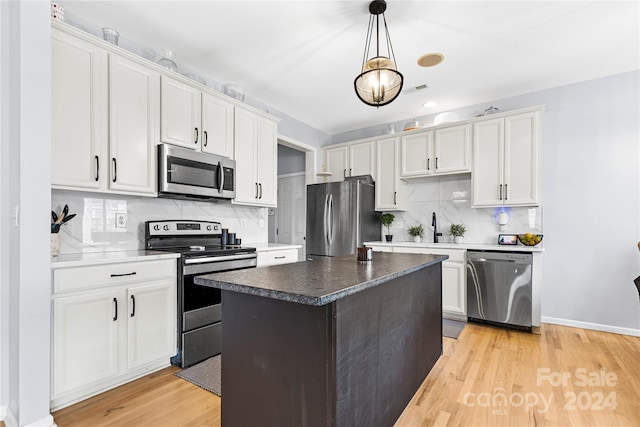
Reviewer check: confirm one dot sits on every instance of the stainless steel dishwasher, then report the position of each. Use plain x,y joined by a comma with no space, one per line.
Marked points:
499,287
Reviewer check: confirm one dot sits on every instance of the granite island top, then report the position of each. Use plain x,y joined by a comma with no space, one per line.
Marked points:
319,281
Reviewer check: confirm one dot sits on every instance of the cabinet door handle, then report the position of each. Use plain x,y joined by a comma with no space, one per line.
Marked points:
256,190
123,274
350,174
428,163
500,191
133,305
344,173
115,169
506,191
97,168
260,185
279,257
196,135
115,314
436,163
395,197
206,138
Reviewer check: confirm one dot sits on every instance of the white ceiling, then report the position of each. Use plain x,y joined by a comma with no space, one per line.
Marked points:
301,57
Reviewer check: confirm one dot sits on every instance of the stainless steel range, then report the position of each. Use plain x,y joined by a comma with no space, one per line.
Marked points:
199,307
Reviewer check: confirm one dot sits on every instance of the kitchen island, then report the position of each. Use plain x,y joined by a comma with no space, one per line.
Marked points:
332,341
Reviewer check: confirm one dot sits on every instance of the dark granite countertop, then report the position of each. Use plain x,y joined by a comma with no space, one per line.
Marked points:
322,280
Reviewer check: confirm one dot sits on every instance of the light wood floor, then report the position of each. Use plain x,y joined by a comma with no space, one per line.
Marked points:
484,378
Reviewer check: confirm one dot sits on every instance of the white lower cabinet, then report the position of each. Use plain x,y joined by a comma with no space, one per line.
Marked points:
454,290
111,324
279,256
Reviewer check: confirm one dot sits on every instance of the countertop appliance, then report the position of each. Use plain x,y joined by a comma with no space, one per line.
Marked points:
340,216
199,307
499,287
184,173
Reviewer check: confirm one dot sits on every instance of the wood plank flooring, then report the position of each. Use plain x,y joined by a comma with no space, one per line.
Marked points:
487,377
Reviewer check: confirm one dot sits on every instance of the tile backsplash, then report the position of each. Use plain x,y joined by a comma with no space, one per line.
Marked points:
450,198
94,229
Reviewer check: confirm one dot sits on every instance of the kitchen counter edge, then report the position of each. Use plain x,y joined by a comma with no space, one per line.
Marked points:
101,258
266,247
460,246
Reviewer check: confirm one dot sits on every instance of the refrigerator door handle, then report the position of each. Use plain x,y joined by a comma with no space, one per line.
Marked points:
326,217
330,219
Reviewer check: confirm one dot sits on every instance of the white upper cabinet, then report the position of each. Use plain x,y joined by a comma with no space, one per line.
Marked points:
217,126
351,160
506,160
180,114
391,191
256,158
78,112
194,119
133,112
336,161
452,149
438,152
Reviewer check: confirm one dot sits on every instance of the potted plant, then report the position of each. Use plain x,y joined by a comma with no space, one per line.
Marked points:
457,231
386,220
416,231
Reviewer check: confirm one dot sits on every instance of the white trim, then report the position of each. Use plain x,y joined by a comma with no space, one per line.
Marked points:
8,418
292,174
311,156
592,326
43,422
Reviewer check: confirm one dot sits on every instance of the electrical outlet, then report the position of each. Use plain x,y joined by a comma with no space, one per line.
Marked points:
397,224
243,223
121,220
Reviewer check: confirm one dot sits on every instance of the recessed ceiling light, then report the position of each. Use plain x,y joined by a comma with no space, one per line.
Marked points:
430,59
430,104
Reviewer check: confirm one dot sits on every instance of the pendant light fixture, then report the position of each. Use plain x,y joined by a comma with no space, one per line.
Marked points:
379,82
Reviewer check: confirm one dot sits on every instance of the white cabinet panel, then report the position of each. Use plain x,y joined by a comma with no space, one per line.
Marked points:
281,256
133,98
452,149
217,126
267,174
151,329
362,159
417,158
85,339
78,112
180,114
391,192
506,161
337,162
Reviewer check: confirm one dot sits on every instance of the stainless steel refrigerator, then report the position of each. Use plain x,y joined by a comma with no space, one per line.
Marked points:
340,216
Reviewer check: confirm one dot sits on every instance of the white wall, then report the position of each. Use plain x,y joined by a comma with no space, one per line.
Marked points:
590,165
24,182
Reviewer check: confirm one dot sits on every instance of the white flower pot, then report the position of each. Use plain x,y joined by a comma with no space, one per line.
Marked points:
458,239
55,244
416,239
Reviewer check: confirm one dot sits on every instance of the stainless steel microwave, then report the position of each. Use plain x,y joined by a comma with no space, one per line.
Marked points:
184,173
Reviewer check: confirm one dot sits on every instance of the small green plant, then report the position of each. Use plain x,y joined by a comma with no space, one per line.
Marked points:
386,220
416,230
457,230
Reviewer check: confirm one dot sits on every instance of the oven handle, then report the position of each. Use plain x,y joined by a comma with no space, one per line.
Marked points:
219,258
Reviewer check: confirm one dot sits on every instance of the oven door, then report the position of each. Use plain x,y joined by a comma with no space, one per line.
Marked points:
191,173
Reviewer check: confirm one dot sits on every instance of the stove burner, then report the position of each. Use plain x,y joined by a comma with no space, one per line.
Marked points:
197,248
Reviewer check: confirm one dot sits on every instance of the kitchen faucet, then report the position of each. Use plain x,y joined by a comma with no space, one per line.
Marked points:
434,223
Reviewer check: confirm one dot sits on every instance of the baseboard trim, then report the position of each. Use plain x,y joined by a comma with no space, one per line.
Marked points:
43,422
7,417
593,326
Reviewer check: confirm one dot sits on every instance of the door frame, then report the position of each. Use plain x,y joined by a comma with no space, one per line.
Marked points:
311,156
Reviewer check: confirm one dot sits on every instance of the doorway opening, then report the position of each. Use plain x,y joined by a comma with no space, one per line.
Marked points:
287,224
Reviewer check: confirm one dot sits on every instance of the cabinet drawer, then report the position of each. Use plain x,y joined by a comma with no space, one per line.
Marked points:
455,255
91,277
282,256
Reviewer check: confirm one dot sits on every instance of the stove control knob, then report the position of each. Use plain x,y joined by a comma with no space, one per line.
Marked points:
165,227
156,227
208,228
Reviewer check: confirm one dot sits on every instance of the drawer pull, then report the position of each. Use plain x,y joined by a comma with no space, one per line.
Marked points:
279,257
115,315
123,274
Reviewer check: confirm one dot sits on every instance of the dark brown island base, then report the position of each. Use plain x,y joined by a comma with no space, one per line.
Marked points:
328,342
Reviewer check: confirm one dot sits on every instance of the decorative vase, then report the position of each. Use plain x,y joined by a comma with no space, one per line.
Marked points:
416,239
388,237
55,244
458,239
